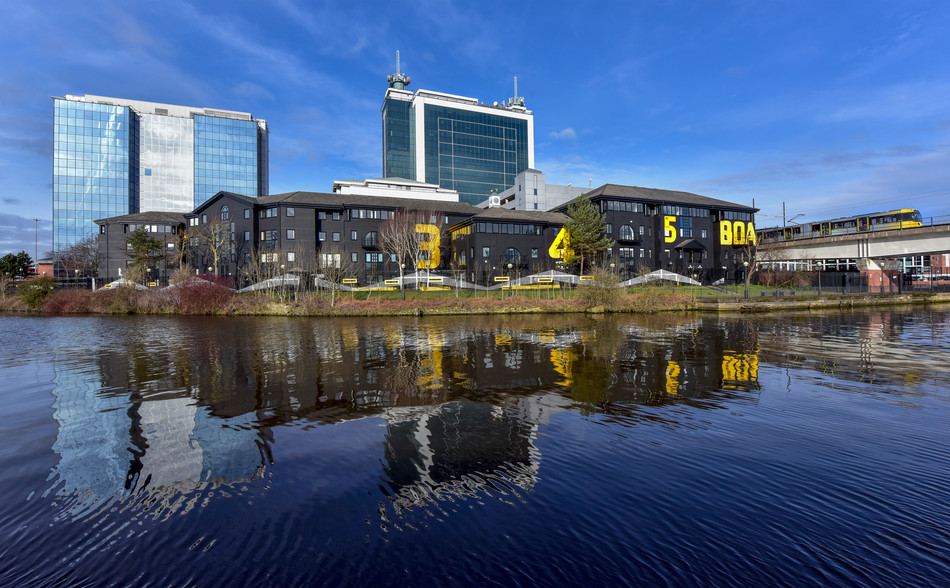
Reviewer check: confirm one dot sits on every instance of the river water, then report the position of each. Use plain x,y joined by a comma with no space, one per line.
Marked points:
795,449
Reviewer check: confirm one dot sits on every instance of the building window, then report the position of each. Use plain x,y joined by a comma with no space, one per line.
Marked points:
610,228
322,215
486,252
321,236
225,213
291,256
667,253
290,233
269,213
336,237
534,253
354,236
336,216
626,233
371,239
511,256
247,213
148,171
290,211
703,233
354,257
686,226
247,235
204,218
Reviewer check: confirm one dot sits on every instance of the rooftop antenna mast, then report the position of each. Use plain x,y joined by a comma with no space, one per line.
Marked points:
516,100
398,80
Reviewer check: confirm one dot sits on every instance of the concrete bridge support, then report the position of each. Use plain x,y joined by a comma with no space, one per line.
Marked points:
883,275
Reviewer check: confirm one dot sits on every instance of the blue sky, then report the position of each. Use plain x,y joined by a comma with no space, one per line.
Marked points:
833,107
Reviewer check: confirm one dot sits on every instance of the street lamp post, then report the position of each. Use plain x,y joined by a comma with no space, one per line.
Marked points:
402,277
36,246
745,276
509,280
819,264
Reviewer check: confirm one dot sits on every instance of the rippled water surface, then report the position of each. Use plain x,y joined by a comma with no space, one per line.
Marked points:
796,450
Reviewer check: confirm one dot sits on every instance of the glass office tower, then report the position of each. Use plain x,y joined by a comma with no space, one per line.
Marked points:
456,142
95,149
113,157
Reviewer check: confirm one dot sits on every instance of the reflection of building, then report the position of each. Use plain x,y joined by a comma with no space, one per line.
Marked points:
113,445
113,156
458,449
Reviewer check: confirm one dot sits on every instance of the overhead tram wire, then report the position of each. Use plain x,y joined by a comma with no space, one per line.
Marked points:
848,208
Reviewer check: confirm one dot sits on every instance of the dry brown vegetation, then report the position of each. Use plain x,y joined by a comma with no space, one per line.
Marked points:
196,296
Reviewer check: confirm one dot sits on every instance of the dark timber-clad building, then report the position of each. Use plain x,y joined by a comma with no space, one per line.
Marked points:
686,233
486,244
114,249
652,229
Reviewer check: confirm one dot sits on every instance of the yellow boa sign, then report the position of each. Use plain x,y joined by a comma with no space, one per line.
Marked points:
736,233
430,247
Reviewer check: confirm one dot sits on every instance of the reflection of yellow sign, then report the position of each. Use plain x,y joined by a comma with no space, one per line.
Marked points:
559,249
736,233
349,280
669,231
562,359
739,368
431,247
672,377
430,372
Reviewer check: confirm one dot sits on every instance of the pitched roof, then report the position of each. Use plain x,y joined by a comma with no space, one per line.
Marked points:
521,215
215,198
145,217
659,196
341,200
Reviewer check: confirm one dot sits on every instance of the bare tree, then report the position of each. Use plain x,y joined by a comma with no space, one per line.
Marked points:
80,258
414,238
213,239
334,265
395,238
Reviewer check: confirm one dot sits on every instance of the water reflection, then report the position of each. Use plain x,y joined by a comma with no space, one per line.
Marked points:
158,413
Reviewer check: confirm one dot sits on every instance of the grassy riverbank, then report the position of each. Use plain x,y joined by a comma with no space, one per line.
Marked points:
205,298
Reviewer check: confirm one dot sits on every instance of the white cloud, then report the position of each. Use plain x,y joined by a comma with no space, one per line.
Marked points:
567,133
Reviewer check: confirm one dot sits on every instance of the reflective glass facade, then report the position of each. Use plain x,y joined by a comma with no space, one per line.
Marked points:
455,143
113,157
399,158
95,150
226,157
473,153
166,163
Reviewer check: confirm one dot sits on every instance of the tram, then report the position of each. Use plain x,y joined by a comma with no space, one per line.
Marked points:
904,218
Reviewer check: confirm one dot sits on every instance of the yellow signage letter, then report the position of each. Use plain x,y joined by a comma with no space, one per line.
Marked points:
725,232
669,231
